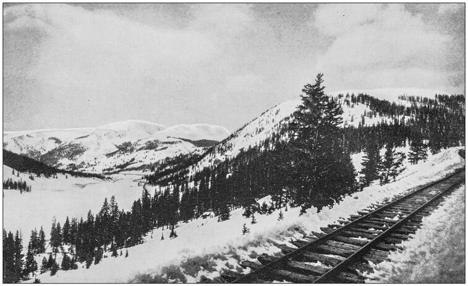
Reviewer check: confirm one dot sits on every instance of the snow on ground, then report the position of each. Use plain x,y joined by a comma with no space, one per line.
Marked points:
62,197
436,253
97,148
194,132
202,237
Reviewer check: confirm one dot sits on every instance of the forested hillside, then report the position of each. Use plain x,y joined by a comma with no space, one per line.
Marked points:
27,165
303,160
273,166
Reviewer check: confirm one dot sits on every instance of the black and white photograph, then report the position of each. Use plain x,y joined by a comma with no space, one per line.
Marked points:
234,142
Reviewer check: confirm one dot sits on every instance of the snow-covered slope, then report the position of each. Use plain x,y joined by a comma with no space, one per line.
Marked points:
276,119
193,132
207,237
35,143
391,94
107,147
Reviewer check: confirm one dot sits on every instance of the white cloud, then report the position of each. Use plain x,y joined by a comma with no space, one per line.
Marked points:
376,45
224,20
450,7
248,83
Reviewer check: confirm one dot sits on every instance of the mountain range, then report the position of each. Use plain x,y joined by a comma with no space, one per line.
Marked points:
103,148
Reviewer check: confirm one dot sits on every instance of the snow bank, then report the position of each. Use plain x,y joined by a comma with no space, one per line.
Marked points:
208,236
436,254
61,197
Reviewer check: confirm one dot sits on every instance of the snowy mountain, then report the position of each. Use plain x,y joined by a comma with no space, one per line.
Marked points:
106,147
276,120
195,244
36,143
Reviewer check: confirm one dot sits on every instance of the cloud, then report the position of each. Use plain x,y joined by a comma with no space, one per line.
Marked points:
376,45
245,84
68,60
450,7
224,20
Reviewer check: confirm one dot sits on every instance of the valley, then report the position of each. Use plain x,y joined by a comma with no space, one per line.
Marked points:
139,162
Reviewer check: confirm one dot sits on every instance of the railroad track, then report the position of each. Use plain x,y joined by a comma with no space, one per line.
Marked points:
344,250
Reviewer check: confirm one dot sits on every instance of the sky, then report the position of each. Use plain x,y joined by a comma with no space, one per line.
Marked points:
87,65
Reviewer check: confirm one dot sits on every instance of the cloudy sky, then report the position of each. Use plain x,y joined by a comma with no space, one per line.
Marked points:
68,66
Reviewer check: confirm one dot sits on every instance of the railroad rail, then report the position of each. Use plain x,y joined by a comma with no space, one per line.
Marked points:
344,250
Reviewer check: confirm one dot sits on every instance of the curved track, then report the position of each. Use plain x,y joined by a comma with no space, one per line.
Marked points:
347,248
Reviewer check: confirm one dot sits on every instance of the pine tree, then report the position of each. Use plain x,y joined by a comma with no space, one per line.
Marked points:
42,241
44,265
66,262
391,164
98,257
319,162
9,252
33,242
50,261
173,234
31,264
89,259
225,212
254,221
370,162
18,249
66,232
418,150
280,216
114,251
245,230
53,236
55,267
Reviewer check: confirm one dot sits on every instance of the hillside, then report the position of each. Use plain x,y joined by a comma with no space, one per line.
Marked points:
359,112
27,165
195,246
134,143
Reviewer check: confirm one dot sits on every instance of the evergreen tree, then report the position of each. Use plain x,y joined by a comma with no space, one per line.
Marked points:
89,259
18,257
55,267
418,150
98,257
391,164
66,232
31,264
66,263
33,242
173,234
44,265
370,162
225,212
54,236
42,241
254,221
114,251
280,216
50,262
245,230
319,161
9,272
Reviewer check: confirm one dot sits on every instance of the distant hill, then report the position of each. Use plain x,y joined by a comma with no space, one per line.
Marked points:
201,143
105,148
25,165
